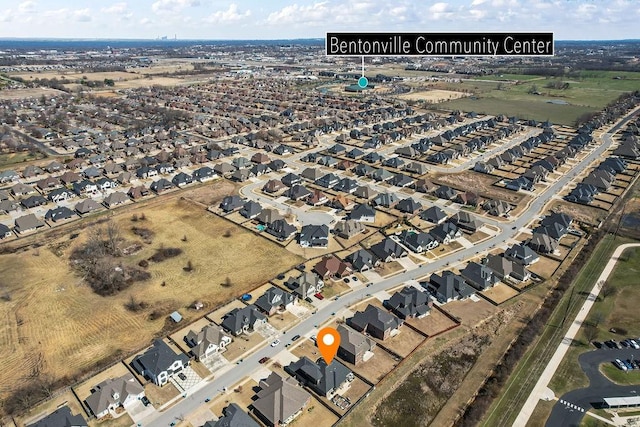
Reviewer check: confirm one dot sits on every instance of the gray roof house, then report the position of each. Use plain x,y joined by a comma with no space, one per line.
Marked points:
362,260
388,200
419,241
275,299
59,214
503,267
387,250
251,209
376,322
445,232
233,416
4,231
326,380
279,400
113,393
305,285
434,215
521,254
281,229
408,302
409,205
242,320
86,206
61,417
314,236
348,228
27,223
353,345
479,276
363,213
209,340
448,287
466,221
543,243
159,363
298,192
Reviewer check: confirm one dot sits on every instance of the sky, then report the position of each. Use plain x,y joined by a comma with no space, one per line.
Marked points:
274,19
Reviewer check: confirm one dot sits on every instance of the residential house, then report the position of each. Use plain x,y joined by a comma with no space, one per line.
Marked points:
274,300
279,228
445,192
113,393
341,203
468,198
291,179
409,302
138,192
60,195
401,180
33,201
364,192
210,340
314,236
105,183
388,250
434,215
522,254
305,285
86,206
354,347
21,189
503,268
329,180
387,200
5,232
448,287
182,179
325,380
331,266
280,400
59,213
363,213
204,174
446,232
346,185
466,221
497,207
233,416
348,228
375,322
273,186
418,242
298,192
61,417
479,276
28,223
317,198
49,183
116,198
251,209
543,243
85,187
409,205
231,203
362,260
243,320
159,363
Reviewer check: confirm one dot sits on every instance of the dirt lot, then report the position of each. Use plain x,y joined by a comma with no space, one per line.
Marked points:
471,312
389,268
581,213
479,183
403,343
242,397
89,328
435,322
242,344
433,96
158,396
375,368
28,93
545,267
500,293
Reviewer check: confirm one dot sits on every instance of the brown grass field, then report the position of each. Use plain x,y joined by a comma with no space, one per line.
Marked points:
432,324
471,312
56,325
435,95
500,293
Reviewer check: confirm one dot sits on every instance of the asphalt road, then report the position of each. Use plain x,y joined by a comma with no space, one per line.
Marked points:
310,325
565,415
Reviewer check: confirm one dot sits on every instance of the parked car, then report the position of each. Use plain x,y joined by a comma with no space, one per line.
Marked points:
280,276
263,360
611,344
625,343
319,296
628,363
182,376
346,280
295,337
597,344
355,278
620,365
145,401
634,343
275,343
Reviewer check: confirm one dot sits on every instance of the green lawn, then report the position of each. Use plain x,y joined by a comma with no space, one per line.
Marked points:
505,409
619,376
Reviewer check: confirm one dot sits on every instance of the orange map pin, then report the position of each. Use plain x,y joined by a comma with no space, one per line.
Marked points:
328,342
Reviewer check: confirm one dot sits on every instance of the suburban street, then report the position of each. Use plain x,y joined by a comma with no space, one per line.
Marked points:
309,326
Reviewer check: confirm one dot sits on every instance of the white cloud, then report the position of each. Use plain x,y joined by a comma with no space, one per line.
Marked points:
313,14
27,7
82,15
7,16
173,6
478,14
117,8
229,15
477,2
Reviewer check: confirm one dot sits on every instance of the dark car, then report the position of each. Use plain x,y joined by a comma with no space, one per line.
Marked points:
145,400
295,337
611,344
307,299
281,277
597,344
346,280
182,376
263,360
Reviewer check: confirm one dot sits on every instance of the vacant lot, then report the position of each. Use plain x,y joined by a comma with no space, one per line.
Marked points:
479,183
500,293
432,324
85,329
433,96
375,368
471,312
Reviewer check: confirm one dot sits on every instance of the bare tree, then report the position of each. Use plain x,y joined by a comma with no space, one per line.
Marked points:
607,289
597,319
113,238
590,332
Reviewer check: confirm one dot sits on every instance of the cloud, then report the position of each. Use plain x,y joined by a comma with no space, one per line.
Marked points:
27,7
82,15
7,16
314,14
229,15
172,6
117,8
440,11
477,2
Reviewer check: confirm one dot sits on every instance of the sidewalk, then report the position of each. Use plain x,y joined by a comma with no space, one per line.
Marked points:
540,389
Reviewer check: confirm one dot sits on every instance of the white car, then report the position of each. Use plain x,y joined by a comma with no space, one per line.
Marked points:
634,344
275,343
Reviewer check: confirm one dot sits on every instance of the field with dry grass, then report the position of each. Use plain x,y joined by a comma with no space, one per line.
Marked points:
55,325
434,96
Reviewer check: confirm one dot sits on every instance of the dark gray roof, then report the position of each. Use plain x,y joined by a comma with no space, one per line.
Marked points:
319,376
408,302
478,275
157,359
61,417
239,317
375,317
274,297
233,416
361,259
434,214
388,248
